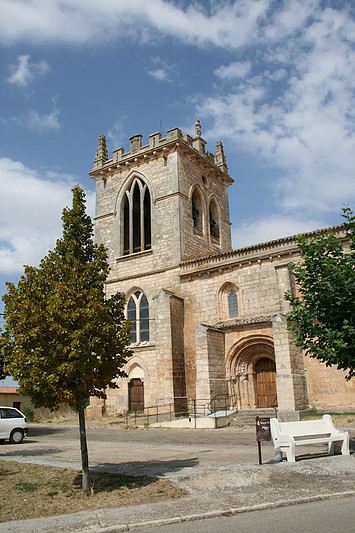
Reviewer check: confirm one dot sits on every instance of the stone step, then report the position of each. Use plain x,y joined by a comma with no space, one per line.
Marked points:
247,417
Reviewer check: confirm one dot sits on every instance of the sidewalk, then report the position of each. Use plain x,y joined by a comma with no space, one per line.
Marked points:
220,478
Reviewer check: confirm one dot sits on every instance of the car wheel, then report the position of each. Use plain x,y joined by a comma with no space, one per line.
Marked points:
16,436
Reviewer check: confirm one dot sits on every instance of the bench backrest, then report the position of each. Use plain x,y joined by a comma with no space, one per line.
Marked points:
303,427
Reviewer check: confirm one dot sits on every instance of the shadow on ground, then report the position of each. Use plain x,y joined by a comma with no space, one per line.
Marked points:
146,468
35,431
30,453
107,482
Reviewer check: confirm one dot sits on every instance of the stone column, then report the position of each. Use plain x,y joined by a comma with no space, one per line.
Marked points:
178,356
290,375
169,348
210,363
284,283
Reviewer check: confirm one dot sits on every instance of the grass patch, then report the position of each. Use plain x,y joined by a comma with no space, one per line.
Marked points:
339,419
33,491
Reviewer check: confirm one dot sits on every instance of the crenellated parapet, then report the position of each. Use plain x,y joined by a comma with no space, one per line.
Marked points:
159,146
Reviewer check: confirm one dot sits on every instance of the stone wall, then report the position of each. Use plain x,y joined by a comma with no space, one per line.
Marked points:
327,387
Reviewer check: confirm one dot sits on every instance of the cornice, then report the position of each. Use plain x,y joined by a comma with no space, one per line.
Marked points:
278,249
243,321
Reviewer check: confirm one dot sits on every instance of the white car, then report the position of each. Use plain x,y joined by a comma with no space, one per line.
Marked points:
13,425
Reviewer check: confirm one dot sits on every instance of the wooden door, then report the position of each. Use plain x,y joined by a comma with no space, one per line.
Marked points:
136,395
265,371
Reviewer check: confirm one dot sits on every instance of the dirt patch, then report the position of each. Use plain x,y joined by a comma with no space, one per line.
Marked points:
33,491
66,415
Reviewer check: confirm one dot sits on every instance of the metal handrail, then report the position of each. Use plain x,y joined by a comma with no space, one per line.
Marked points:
229,400
192,407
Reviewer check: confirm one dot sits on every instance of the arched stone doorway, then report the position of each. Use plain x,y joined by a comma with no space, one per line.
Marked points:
252,372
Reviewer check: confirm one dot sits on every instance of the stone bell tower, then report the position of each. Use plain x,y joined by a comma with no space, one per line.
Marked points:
161,203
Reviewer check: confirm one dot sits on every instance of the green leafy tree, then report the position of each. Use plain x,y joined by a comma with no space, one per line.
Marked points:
63,340
323,317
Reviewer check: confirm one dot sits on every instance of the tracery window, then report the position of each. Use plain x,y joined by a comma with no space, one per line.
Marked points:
138,314
137,218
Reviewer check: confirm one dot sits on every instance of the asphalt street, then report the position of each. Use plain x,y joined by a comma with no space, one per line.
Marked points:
315,517
218,468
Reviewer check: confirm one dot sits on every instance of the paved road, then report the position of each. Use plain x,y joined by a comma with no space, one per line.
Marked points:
229,436
218,468
316,517
151,452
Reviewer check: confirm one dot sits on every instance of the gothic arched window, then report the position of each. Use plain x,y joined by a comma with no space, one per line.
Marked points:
138,314
228,301
233,304
196,206
214,220
137,218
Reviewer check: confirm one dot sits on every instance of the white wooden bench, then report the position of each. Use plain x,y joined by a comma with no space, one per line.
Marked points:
287,435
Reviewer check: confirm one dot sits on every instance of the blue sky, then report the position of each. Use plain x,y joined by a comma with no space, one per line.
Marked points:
274,80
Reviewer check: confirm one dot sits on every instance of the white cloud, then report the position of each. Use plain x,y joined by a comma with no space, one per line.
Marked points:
233,70
116,135
160,70
269,228
35,121
229,25
292,103
299,118
23,73
30,213
87,21
159,74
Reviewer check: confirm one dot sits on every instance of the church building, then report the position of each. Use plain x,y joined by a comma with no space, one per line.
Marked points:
208,321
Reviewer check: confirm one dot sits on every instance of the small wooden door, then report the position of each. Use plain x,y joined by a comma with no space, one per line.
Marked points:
265,371
136,395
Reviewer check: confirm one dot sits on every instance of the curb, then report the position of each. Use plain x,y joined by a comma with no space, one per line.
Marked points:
223,512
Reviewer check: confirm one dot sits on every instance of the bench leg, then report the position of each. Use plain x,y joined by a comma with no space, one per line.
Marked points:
278,455
290,453
345,446
331,447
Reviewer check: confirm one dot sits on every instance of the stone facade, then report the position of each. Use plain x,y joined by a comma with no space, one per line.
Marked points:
216,316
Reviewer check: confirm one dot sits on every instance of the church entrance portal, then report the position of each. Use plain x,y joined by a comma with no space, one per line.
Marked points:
265,373
252,371
136,395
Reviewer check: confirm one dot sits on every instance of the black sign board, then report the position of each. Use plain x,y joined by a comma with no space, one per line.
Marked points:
263,431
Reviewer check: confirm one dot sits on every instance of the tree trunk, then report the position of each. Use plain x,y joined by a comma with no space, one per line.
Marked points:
85,479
